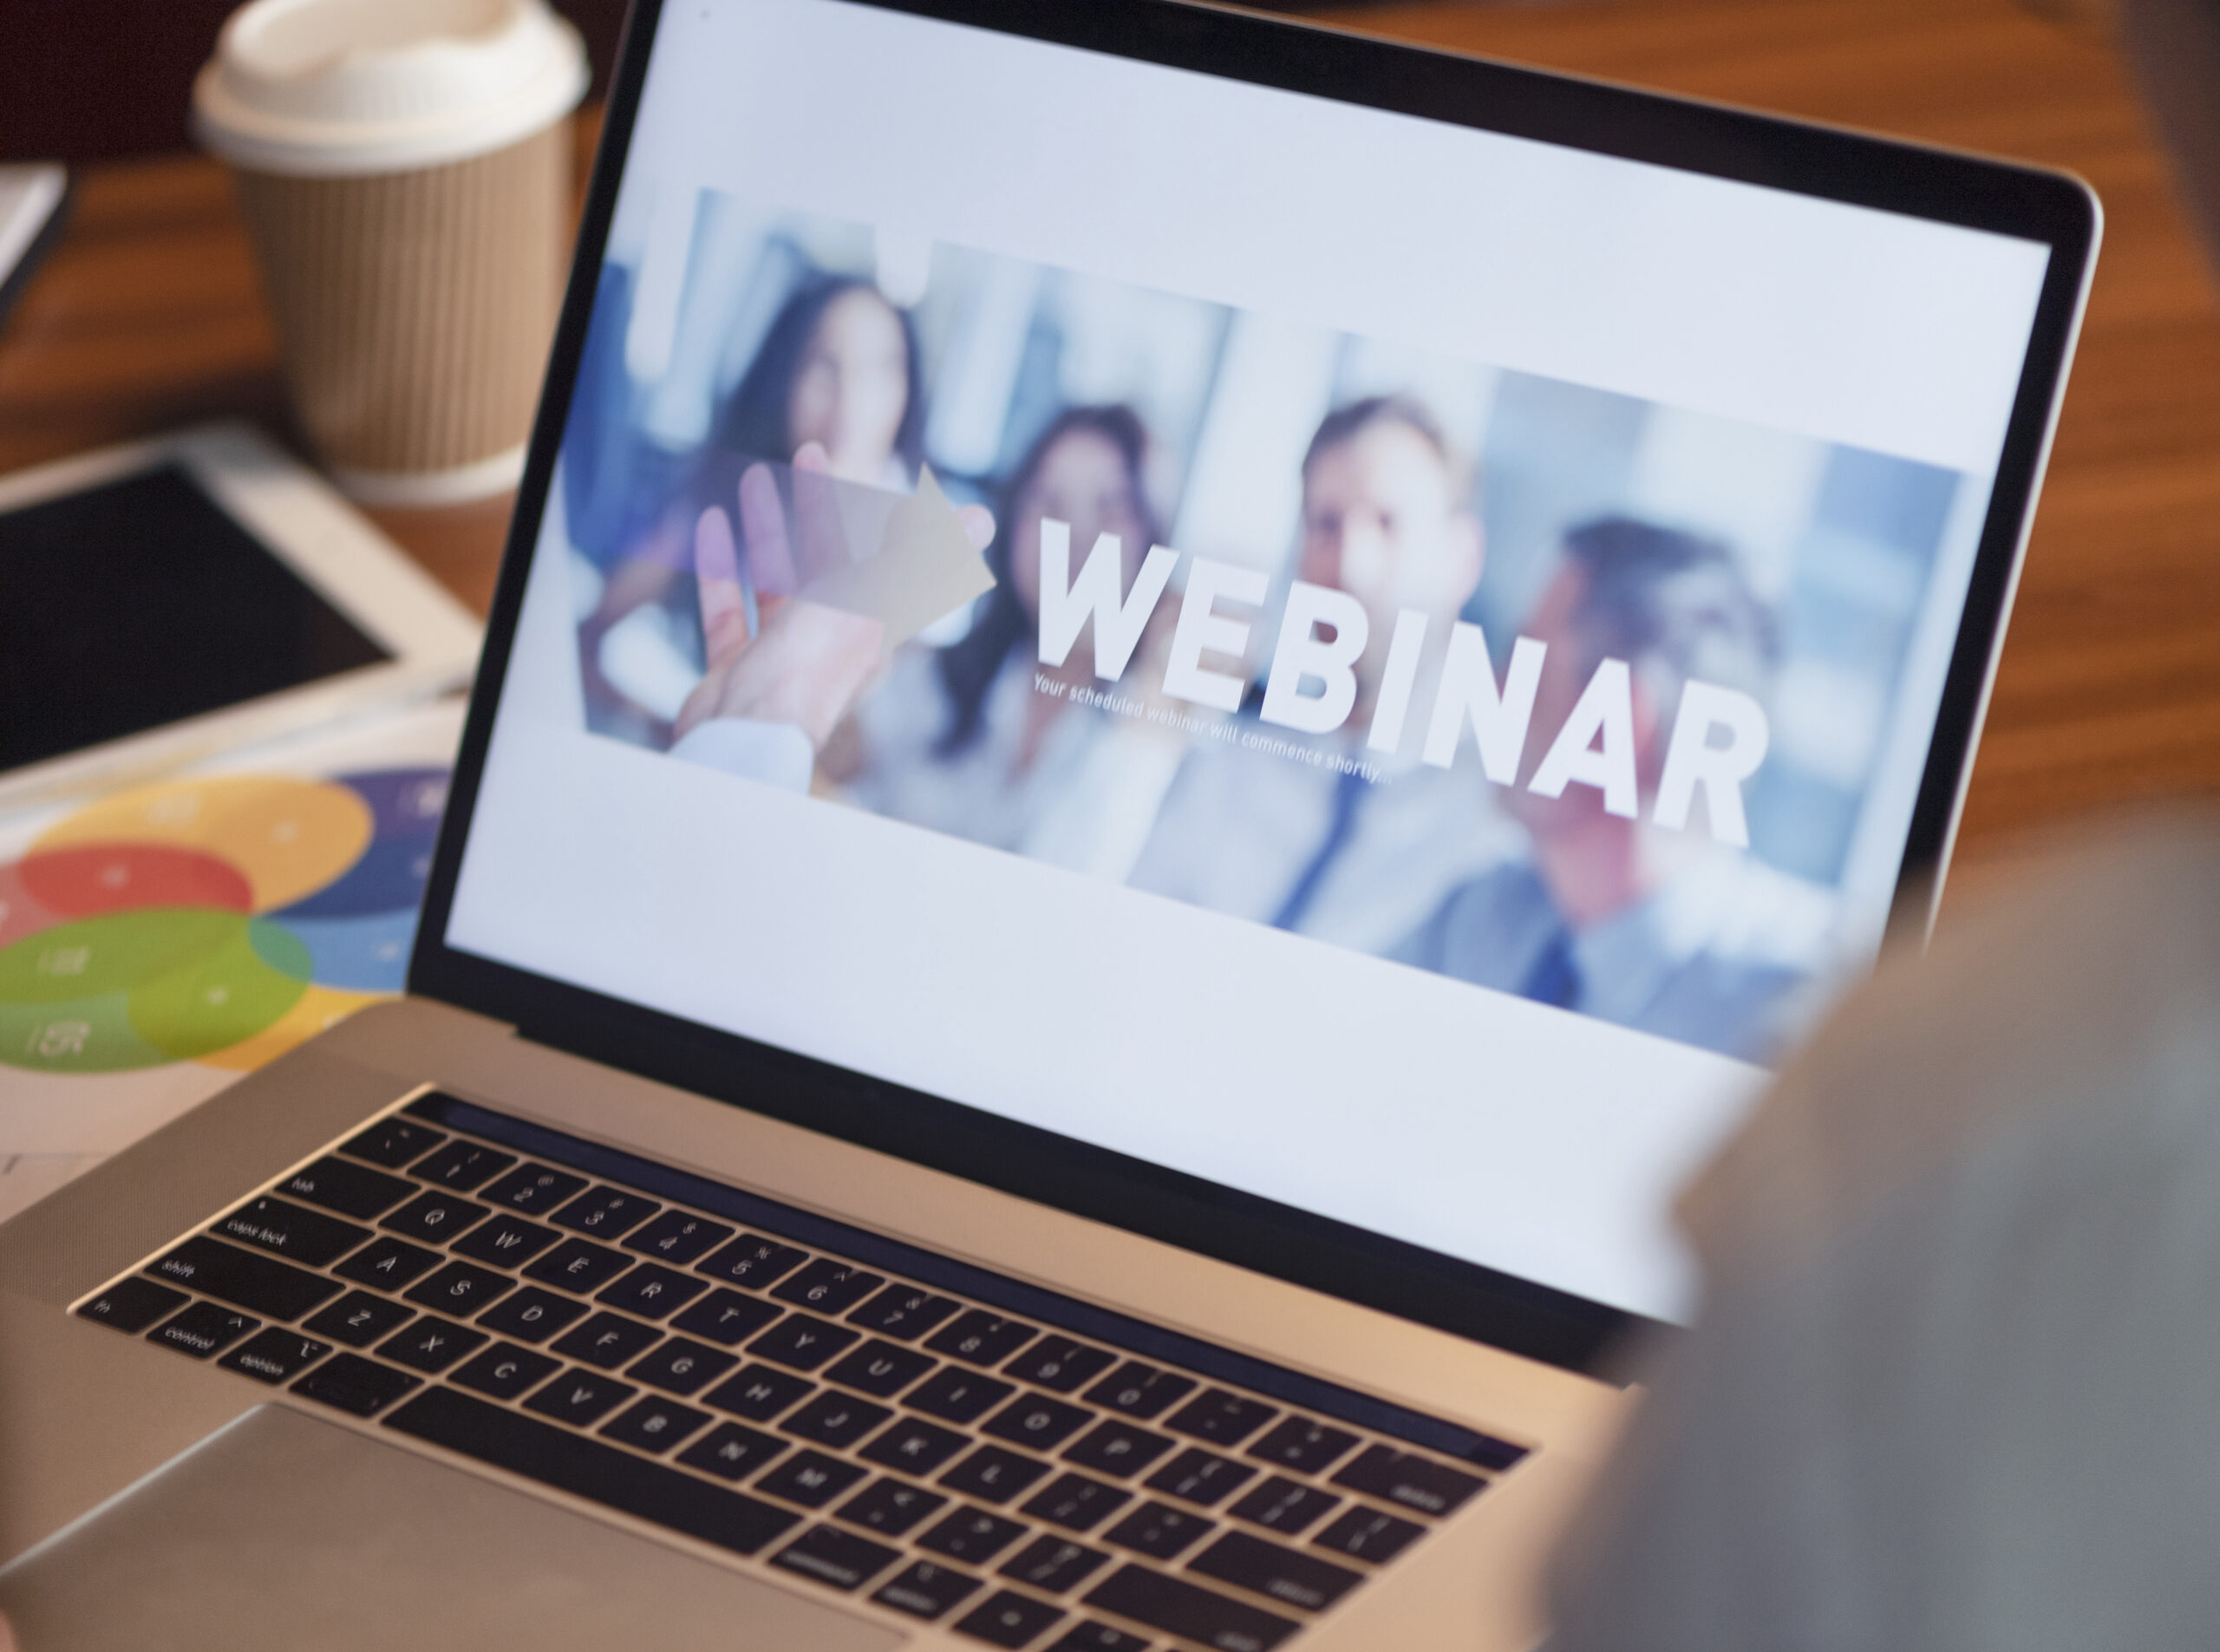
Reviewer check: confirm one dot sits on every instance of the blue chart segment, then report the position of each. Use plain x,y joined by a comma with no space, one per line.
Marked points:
359,928
367,954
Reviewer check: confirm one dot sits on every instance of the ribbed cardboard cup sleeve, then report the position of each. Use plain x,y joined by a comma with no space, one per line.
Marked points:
415,308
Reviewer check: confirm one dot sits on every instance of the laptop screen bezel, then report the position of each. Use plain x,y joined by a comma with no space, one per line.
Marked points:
1448,1293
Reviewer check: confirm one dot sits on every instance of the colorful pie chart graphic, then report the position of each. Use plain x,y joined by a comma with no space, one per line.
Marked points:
221,920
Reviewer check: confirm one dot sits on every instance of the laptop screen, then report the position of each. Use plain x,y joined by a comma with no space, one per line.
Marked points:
1380,664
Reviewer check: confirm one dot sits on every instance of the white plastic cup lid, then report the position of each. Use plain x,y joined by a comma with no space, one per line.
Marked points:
350,87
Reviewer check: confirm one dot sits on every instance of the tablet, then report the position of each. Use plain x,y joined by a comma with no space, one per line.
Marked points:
199,591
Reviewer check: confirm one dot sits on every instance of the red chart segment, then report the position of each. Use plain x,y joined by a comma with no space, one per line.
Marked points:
87,881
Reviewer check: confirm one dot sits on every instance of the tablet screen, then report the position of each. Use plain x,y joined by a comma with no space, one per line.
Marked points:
140,602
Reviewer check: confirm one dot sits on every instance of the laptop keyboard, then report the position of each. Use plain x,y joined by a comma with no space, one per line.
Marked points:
877,1418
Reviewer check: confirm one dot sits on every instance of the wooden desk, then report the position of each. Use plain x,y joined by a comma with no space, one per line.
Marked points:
149,315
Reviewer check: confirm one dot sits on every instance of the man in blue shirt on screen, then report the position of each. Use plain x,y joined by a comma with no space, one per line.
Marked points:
1659,929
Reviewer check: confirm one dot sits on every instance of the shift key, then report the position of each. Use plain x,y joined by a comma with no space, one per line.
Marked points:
260,1284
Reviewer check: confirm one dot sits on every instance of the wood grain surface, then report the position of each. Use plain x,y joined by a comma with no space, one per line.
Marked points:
149,315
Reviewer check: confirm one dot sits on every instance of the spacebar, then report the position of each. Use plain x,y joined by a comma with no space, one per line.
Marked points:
590,1470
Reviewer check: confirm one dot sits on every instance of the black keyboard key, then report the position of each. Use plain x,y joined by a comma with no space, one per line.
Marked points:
434,1218
971,1535
1302,1581
828,1287
1366,1534
840,1558
605,1213
460,1288
504,1371
1285,1505
731,1451
580,1397
758,1393
957,1394
350,1189
1201,1476
1054,1565
802,1341
1221,1418
507,1241
1192,1613
275,1355
203,1329
889,1507
1409,1480
590,1469
655,1423
1077,1502
533,1190
1092,1636
1008,1618
727,1317
608,1342
834,1420
358,1319
461,1165
351,1383
1159,1530
1302,1446
652,1291
1060,1365
1138,1390
994,1474
431,1344
678,1237
981,1338
680,1367
811,1478
1120,1448
926,1590
387,1264
1037,1421
393,1142
575,1265
532,1314
130,1305
261,1285
903,1311
752,1261
285,1229
883,1369
915,1446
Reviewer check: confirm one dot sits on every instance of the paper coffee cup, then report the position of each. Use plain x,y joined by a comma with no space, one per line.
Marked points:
405,170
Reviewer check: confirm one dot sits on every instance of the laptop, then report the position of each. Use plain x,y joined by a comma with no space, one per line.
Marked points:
1180,704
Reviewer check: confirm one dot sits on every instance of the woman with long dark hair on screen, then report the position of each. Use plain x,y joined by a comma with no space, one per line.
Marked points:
959,738
833,387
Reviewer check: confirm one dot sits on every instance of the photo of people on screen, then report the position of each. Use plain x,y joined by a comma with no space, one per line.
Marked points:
1557,692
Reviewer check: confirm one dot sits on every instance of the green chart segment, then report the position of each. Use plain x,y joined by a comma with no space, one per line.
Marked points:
131,989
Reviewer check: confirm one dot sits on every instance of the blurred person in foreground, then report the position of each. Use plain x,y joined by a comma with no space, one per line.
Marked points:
1386,517
1665,930
1951,1386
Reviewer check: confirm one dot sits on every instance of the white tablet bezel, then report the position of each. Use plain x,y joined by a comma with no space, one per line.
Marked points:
303,521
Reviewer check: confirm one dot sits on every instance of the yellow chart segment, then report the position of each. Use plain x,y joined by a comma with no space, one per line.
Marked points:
289,837
319,1007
